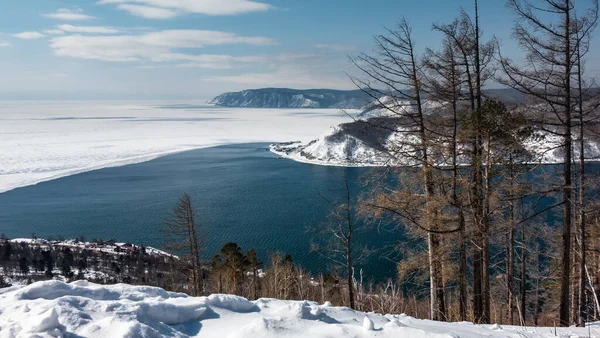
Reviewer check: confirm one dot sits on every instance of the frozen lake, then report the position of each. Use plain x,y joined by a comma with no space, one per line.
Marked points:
50,139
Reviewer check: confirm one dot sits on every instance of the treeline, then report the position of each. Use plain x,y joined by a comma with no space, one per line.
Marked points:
31,262
229,271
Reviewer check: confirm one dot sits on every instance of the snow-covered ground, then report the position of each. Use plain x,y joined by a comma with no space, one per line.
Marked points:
83,309
49,139
115,249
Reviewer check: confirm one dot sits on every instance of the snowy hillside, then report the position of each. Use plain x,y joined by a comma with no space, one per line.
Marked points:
292,98
378,139
83,309
337,146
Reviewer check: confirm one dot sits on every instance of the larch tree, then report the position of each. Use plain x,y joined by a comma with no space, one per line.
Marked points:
335,239
445,81
397,67
548,32
183,236
474,61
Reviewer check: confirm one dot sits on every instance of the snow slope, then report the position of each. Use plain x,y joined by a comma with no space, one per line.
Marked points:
358,144
47,140
83,309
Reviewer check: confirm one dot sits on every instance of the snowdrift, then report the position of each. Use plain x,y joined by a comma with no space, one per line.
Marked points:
83,309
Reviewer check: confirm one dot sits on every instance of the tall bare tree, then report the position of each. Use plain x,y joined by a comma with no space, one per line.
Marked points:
586,108
475,66
444,82
335,239
397,67
184,237
545,31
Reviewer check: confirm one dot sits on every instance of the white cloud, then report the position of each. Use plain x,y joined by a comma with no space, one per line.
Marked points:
148,12
69,14
337,47
53,32
296,57
155,46
5,44
29,35
88,29
209,60
208,7
287,76
228,61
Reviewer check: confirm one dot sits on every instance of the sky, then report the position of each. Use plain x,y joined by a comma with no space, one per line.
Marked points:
196,49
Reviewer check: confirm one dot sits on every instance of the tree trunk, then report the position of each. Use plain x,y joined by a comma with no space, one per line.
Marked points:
485,268
567,145
477,191
581,313
350,273
523,276
510,247
462,270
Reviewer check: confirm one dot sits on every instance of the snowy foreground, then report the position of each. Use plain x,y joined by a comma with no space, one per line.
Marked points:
49,139
83,309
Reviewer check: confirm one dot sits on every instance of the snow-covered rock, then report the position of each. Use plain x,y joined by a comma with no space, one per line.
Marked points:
83,309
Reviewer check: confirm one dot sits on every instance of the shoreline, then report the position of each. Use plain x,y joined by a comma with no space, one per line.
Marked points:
296,158
293,156
113,164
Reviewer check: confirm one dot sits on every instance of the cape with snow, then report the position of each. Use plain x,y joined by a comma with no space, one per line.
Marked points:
378,137
83,309
293,98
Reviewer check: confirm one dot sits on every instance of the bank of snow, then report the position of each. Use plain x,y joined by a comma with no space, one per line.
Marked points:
83,309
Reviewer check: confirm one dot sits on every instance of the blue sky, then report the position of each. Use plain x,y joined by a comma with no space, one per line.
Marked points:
195,49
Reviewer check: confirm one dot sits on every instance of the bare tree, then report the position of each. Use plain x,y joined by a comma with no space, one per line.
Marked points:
475,67
397,67
334,239
546,76
183,236
445,79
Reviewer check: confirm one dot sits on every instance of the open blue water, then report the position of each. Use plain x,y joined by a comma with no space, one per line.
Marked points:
242,193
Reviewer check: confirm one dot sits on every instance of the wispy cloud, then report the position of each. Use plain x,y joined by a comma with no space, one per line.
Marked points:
287,76
164,9
287,57
5,44
208,60
29,35
150,46
53,32
88,29
337,47
148,12
69,15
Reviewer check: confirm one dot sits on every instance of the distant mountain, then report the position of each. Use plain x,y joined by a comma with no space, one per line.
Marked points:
293,98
